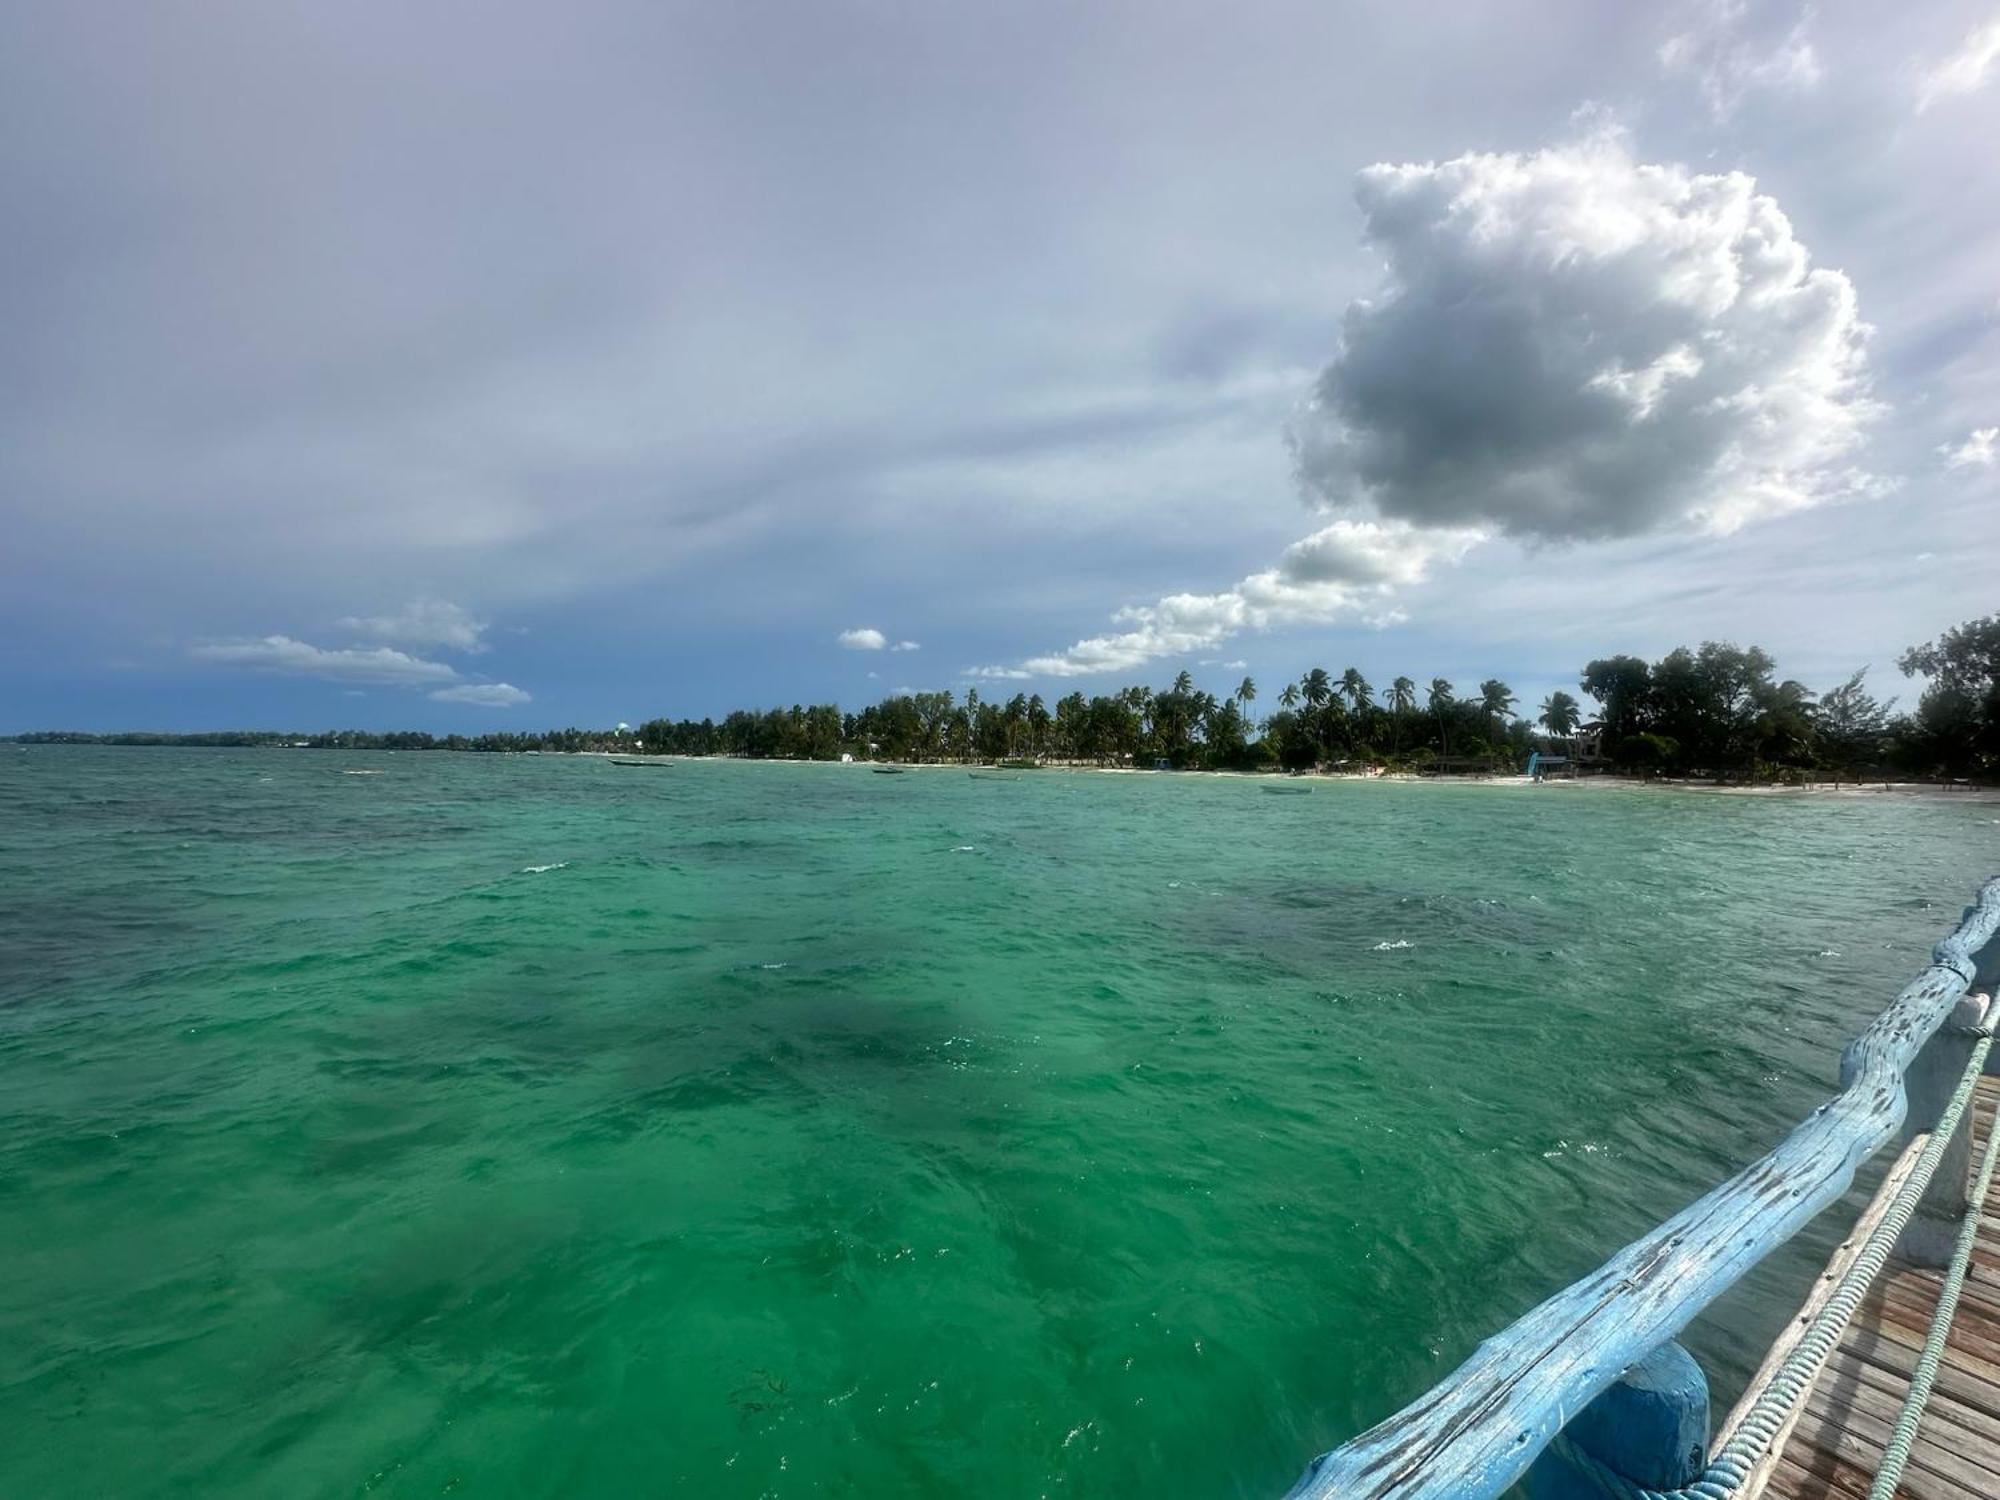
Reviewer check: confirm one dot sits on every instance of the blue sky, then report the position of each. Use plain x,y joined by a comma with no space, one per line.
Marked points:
508,366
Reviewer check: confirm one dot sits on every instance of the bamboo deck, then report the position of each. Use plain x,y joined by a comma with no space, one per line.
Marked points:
1837,1445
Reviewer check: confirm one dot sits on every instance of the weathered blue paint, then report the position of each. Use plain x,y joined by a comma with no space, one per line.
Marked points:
1650,1425
1476,1434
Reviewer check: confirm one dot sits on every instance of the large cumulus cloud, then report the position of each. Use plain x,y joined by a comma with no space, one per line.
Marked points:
1572,345
1567,346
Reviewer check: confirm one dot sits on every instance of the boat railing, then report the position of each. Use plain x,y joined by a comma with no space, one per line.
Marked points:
1589,1391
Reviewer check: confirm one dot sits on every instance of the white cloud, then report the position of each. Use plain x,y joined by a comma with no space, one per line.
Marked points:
422,622
1568,345
863,639
906,646
378,664
1731,53
1341,569
1965,70
1572,345
485,695
280,653
1227,666
1980,450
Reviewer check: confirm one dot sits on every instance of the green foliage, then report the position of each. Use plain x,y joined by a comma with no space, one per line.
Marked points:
1853,727
1956,728
1622,685
1720,711
1560,714
1645,753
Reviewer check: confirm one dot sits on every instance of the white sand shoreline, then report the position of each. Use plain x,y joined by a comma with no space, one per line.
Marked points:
1820,789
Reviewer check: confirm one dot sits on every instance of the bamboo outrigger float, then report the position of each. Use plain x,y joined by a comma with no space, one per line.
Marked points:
1588,1395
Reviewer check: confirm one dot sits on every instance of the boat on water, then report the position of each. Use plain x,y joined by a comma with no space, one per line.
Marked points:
990,776
887,770
1289,791
651,765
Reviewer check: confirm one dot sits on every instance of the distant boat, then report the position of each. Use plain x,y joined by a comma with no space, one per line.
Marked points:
1289,791
651,765
990,776
887,770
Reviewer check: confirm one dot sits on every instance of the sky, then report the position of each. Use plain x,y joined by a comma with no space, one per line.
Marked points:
491,366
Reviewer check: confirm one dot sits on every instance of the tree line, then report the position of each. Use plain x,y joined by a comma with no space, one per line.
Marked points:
553,741
1713,711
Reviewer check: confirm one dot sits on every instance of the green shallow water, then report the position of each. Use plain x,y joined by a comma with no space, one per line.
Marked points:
529,1126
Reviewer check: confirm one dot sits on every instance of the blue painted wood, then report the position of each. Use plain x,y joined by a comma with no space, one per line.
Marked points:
1650,1425
1476,1433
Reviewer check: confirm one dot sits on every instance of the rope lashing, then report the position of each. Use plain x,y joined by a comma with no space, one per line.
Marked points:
1789,1386
1928,1363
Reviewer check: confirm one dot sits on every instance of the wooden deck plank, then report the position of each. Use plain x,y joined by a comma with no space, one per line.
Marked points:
1865,1418
1824,1475
1960,1428
1836,1447
1820,1436
1891,1350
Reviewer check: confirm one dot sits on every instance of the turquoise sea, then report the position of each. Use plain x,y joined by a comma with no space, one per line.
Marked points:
434,1124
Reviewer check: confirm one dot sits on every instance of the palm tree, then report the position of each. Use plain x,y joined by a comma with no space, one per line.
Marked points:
1402,698
1440,700
1317,689
1184,684
1289,698
1559,714
1016,718
1246,694
1355,689
1359,695
1495,700
1222,727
